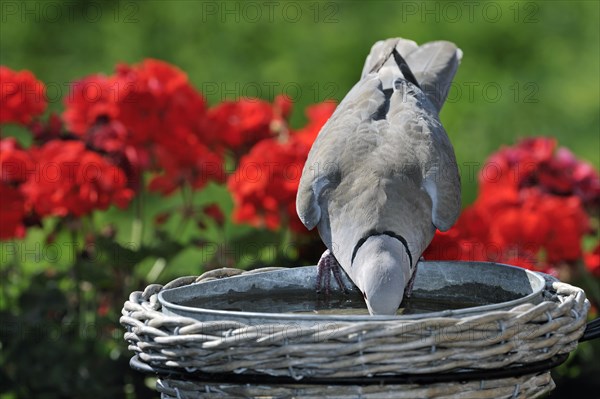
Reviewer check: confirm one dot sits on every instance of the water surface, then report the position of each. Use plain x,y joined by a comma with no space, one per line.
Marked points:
298,301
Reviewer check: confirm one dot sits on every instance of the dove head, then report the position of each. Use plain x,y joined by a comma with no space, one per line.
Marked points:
381,270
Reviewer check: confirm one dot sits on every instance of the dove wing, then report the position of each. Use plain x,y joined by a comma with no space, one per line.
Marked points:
419,136
434,65
323,170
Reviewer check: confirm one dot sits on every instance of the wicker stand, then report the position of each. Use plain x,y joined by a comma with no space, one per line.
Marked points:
528,386
499,354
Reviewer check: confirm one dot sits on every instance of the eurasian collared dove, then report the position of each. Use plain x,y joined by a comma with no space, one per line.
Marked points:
381,175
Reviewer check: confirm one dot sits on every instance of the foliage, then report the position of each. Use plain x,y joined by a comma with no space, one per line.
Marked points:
128,176
140,132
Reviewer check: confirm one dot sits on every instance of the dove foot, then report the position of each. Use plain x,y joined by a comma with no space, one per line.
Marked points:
411,283
327,266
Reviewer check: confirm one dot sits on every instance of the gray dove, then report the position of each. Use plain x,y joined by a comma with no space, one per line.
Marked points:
381,176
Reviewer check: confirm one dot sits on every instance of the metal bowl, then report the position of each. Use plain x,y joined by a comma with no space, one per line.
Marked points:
454,288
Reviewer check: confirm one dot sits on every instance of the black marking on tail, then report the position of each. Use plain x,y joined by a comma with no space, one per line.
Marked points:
383,109
404,68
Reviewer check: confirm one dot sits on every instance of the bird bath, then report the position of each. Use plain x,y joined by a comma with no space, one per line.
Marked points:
472,329
440,289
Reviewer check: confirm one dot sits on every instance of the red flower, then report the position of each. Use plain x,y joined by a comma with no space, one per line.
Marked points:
16,166
535,162
265,183
92,112
282,107
238,124
164,114
317,115
92,100
15,163
144,113
107,136
466,240
569,223
22,96
527,260
141,104
159,104
592,261
528,212
12,212
72,180
523,224
584,180
182,162
44,131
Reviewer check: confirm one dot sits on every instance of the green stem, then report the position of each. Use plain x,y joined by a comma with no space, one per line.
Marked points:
137,225
187,193
284,242
77,279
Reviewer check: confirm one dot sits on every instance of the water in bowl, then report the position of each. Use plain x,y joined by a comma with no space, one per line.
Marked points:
303,301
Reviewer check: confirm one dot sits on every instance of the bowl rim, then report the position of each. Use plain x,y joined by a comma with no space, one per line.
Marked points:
212,315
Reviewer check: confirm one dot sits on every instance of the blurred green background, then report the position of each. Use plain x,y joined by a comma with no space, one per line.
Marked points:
529,68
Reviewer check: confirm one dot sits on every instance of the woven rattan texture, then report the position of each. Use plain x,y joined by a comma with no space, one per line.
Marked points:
528,386
492,340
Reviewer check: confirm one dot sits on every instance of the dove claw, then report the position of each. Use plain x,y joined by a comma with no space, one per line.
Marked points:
411,283
327,266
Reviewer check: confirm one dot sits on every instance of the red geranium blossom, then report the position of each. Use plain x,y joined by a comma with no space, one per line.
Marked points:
569,224
91,100
72,180
12,212
241,123
536,162
317,115
15,163
164,115
282,107
584,180
592,261
466,240
158,102
50,129
146,115
265,183
139,105
185,162
15,167
528,212
22,96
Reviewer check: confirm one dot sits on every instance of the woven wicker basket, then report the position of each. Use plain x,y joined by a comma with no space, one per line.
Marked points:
195,358
527,386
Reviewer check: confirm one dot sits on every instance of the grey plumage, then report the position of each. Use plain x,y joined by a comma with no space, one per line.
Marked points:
434,64
381,175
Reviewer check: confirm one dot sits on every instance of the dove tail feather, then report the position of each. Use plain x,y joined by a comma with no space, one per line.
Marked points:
383,109
381,52
404,68
431,66
434,65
